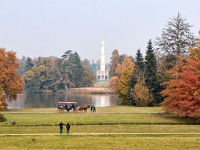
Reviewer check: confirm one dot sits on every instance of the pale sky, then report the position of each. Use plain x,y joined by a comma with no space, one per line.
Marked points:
34,28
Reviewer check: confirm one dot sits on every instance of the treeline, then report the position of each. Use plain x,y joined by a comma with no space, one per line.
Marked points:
136,80
54,74
168,75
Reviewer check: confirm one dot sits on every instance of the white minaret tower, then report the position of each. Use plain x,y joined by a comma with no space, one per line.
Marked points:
102,73
102,65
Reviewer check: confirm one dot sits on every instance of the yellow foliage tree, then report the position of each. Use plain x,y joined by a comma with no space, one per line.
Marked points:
195,52
121,68
11,83
140,93
113,83
124,72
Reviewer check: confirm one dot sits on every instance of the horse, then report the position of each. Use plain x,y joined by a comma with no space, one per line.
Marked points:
74,110
83,108
92,109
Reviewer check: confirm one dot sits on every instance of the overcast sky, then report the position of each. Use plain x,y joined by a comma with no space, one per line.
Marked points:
36,28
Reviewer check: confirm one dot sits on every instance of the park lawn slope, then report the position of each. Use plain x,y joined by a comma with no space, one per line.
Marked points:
116,127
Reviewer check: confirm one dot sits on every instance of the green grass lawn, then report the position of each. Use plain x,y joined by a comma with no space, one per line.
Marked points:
118,119
121,142
118,128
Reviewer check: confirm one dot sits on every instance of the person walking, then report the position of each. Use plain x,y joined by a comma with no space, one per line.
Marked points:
61,127
68,127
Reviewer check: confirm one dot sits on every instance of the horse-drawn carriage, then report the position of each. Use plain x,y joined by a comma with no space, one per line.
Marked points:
66,106
62,106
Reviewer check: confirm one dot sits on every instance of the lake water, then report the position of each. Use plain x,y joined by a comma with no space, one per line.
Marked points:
50,100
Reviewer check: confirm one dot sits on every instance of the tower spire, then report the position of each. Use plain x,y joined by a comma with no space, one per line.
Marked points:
102,65
102,73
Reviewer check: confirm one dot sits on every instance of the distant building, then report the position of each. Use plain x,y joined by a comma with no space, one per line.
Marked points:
102,74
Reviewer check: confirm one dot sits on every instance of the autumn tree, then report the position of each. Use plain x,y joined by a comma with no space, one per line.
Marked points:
114,59
195,52
124,72
183,91
88,77
141,95
113,83
35,79
175,40
44,75
11,83
120,69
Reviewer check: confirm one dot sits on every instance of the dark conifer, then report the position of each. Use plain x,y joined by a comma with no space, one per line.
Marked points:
150,74
29,64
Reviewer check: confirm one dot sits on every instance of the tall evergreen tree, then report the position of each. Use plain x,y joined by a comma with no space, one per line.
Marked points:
174,41
150,73
138,70
150,65
29,64
139,60
77,69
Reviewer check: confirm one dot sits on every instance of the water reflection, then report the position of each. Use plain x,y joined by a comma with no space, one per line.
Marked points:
50,100
101,100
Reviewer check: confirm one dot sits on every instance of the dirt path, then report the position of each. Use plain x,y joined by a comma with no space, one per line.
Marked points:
64,134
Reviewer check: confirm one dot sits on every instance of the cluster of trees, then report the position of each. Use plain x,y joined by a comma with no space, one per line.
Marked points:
52,73
135,79
48,73
169,75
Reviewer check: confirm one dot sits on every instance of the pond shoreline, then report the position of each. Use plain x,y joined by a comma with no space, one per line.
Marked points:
91,90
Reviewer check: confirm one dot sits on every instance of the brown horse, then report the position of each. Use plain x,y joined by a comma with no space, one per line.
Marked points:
83,108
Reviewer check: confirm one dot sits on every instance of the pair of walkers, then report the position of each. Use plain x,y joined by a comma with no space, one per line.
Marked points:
67,127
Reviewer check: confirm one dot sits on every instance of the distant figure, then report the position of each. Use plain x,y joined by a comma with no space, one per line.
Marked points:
13,122
68,127
61,127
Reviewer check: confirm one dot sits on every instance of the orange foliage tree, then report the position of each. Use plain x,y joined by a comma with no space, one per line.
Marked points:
183,91
11,83
114,83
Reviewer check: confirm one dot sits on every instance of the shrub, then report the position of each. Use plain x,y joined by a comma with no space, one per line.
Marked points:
2,118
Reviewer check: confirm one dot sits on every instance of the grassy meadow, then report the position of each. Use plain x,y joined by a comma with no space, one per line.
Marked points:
118,127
